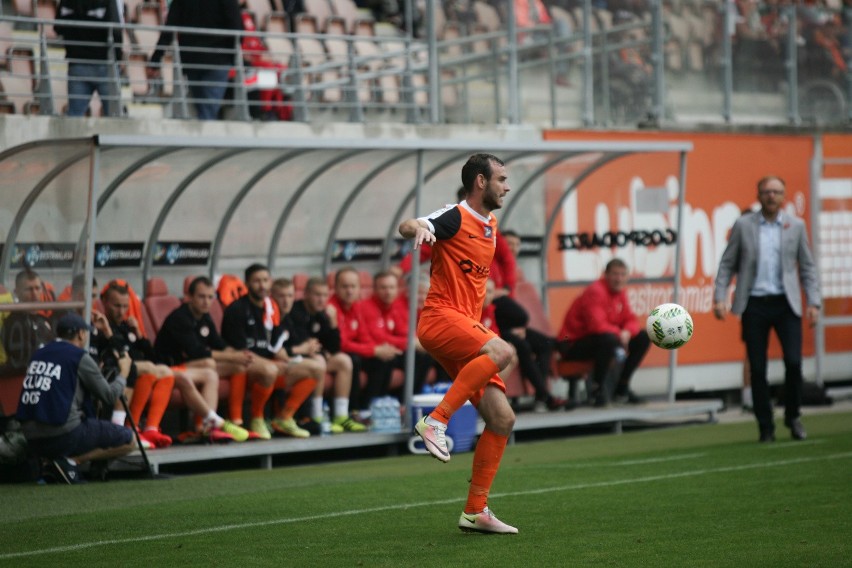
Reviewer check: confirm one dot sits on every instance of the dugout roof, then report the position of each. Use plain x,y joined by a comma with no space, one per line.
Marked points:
140,206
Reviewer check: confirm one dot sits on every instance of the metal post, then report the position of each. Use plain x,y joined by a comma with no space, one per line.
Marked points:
44,92
495,65
94,183
413,286
605,93
681,201
180,88
727,60
554,54
356,112
434,73
816,208
588,66
514,90
240,92
847,16
792,65
295,78
658,108
113,98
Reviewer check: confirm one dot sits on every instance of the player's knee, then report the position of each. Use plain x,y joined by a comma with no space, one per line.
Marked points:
500,352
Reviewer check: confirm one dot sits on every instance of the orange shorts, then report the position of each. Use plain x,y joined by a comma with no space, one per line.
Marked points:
454,340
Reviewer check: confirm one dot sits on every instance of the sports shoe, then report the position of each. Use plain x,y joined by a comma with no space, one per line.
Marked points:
258,426
346,424
157,438
190,437
434,438
289,428
484,522
65,471
238,433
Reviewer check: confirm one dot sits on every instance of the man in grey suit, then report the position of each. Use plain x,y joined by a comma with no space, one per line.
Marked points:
769,253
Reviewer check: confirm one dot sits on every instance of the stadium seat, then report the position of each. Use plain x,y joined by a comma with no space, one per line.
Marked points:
10,393
300,279
159,302
319,10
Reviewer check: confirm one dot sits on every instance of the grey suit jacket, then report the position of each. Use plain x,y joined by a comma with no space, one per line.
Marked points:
740,258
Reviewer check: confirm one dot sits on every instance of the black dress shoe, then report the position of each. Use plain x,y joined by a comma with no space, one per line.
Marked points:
797,431
767,437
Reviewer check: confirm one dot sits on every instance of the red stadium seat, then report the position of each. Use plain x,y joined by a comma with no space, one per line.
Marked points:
159,302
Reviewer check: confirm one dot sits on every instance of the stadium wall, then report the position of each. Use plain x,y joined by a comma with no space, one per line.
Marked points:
721,181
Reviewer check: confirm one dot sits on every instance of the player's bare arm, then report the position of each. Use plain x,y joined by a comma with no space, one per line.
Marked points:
417,230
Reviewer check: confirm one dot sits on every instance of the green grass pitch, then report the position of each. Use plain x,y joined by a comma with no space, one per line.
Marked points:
701,495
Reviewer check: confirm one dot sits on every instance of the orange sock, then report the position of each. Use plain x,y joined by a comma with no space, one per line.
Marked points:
237,397
141,393
470,379
298,394
161,396
259,395
486,460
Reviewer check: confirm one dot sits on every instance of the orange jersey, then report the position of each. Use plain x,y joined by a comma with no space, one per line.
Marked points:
461,257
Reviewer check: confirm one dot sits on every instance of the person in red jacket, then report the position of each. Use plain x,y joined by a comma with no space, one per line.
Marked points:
600,325
386,314
375,358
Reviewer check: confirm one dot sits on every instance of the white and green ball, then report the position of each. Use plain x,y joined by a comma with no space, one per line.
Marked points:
669,326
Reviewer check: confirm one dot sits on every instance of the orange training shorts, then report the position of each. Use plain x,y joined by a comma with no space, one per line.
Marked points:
454,340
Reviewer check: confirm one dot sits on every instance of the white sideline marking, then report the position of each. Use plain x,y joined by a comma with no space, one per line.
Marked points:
575,487
660,460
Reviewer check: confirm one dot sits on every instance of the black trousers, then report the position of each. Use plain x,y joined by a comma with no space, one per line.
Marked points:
601,349
762,314
534,352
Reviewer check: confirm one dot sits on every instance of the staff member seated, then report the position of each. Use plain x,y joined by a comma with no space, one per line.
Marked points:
55,410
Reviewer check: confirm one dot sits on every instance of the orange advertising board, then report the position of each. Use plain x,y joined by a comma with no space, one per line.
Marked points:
638,194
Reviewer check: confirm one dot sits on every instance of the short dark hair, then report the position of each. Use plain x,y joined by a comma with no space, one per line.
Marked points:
616,263
510,233
315,281
765,179
196,282
250,271
25,275
475,165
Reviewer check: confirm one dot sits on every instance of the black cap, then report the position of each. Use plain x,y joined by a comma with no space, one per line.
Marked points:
71,323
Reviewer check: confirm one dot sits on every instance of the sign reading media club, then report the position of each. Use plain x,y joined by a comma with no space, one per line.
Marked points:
182,253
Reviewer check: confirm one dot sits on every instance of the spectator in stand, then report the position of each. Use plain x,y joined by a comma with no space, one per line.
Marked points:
55,409
206,58
88,53
386,315
25,332
189,342
148,383
253,323
373,357
600,325
301,343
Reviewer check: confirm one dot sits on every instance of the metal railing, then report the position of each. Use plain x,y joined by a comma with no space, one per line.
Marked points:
616,75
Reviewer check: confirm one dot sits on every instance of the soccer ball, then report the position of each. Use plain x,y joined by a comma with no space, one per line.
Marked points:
669,326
